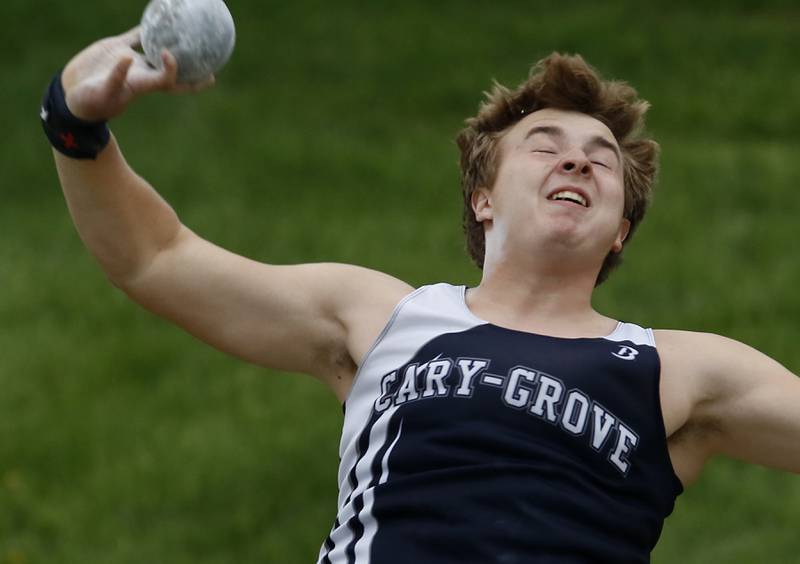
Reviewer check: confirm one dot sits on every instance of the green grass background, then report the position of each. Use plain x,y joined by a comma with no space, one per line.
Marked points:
329,137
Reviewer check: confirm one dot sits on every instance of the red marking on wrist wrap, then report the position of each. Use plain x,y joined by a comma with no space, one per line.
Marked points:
69,140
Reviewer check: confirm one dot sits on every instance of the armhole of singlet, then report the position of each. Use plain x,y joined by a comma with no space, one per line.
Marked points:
380,337
652,338
660,413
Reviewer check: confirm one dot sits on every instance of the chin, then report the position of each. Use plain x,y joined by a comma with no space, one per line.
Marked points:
565,231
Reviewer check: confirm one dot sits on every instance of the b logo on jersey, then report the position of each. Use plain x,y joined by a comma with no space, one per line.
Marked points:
626,353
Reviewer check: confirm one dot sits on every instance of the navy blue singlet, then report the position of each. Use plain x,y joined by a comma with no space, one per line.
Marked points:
468,443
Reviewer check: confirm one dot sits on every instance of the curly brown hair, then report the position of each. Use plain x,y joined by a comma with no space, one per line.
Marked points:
563,82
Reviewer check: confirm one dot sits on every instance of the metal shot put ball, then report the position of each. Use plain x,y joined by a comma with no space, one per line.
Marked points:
199,33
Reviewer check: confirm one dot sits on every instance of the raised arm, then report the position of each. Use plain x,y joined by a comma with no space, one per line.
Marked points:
740,402
316,318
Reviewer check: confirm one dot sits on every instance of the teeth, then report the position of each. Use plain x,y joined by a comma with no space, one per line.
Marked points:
569,196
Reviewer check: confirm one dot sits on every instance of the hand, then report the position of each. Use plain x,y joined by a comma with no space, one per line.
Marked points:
101,81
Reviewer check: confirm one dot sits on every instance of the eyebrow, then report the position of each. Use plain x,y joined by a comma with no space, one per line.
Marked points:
594,141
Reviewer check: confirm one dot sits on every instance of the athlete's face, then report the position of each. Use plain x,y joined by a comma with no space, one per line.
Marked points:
559,186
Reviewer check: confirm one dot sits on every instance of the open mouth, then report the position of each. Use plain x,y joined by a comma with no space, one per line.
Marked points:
569,196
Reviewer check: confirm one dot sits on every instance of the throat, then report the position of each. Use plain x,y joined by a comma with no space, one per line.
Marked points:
551,315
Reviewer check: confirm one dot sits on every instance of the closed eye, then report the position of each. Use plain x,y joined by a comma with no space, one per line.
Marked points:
547,151
604,165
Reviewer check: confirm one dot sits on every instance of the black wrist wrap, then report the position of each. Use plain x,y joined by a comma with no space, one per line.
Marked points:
68,134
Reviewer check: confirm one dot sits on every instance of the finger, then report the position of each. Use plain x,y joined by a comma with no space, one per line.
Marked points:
209,82
204,84
148,79
132,37
119,73
170,70
154,79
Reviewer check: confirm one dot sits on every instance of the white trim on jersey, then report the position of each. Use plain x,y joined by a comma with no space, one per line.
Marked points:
421,316
622,331
633,334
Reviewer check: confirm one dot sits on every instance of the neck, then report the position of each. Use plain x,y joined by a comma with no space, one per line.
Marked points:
552,302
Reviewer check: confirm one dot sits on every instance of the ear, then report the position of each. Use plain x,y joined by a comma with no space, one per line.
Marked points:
481,201
622,234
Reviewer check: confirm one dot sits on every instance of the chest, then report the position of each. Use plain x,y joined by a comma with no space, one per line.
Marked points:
489,394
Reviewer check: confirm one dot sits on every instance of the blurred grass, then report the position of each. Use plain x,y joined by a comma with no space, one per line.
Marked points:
329,137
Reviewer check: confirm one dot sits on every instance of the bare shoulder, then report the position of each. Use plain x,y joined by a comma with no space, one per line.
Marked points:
721,396
681,388
714,362
357,283
688,362
362,295
692,342
695,369
362,300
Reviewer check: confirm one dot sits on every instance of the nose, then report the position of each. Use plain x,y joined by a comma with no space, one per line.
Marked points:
575,163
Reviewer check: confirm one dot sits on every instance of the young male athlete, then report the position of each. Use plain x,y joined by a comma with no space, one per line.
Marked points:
507,423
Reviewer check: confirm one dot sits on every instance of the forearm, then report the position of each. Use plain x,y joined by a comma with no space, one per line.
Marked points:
119,216
122,220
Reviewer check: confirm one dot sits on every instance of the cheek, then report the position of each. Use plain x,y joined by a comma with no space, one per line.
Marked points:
614,189
619,179
505,190
623,197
